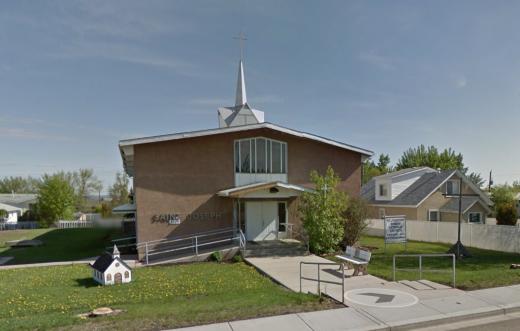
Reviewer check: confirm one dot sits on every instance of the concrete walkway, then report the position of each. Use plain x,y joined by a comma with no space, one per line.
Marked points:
373,303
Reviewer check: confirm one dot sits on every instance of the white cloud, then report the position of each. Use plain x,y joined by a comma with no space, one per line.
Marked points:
22,133
461,82
376,59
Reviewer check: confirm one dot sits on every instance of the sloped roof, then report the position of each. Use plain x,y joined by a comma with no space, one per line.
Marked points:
452,206
126,146
9,208
17,198
105,260
235,191
414,194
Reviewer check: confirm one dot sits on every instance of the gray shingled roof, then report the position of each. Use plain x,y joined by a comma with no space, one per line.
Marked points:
453,204
414,194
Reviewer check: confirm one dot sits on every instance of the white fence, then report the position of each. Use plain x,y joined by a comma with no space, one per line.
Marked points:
74,224
487,236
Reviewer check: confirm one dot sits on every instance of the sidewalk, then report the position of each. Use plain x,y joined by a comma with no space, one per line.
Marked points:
499,302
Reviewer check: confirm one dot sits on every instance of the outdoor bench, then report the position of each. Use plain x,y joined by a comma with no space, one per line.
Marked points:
357,257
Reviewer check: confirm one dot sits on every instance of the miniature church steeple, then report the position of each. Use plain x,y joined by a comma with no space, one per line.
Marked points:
115,252
241,113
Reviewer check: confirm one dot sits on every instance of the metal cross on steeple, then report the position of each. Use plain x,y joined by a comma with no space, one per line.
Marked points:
241,38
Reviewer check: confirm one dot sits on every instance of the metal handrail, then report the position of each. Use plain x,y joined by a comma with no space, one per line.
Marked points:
319,280
420,256
195,243
200,234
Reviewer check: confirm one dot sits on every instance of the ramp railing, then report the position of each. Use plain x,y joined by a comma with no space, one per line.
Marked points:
420,268
320,280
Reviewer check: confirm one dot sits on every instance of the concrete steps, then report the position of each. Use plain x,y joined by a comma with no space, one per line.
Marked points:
275,248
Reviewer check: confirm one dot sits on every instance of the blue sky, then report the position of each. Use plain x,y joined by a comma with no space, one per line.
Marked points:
77,76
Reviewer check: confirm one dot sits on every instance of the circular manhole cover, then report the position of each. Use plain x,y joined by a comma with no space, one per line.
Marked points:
381,298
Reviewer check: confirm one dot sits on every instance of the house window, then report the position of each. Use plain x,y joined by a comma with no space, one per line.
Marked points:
282,216
127,274
109,277
452,187
383,190
117,265
382,213
475,217
433,215
260,155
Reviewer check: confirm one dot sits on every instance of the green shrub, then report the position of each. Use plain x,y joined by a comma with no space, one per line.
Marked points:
355,220
322,212
216,256
506,214
237,258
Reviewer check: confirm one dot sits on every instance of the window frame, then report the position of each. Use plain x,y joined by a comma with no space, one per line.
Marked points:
458,185
253,169
438,215
286,220
475,212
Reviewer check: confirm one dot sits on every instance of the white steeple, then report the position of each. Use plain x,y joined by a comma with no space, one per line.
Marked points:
115,252
241,96
241,113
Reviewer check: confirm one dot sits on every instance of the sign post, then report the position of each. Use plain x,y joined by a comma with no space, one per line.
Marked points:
395,230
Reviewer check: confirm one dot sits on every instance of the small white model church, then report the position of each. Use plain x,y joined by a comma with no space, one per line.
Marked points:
109,269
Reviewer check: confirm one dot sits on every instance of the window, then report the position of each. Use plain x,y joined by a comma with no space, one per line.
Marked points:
433,215
260,155
117,264
282,217
127,274
245,156
475,217
109,277
383,190
382,213
452,187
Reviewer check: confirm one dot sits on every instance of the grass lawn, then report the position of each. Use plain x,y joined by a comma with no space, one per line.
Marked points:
158,297
484,269
58,244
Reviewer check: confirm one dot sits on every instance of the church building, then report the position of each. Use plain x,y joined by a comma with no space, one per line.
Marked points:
246,174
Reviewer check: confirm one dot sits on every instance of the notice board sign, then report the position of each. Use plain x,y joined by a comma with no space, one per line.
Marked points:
395,229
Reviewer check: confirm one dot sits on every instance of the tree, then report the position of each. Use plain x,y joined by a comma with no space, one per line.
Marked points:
476,179
322,212
55,198
3,214
97,186
506,214
19,185
355,220
371,170
84,182
423,156
502,194
119,190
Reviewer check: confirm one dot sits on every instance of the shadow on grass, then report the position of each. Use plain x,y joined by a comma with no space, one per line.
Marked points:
86,282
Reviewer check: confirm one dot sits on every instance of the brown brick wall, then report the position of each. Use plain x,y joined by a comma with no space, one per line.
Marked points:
183,176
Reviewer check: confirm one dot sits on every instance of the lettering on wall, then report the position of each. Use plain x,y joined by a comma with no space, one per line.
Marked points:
176,218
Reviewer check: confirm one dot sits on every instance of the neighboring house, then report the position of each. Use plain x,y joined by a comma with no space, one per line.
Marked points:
12,213
426,194
20,200
110,269
247,174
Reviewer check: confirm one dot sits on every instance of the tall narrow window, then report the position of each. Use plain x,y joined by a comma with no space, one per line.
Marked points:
237,156
452,187
268,156
253,155
260,156
282,217
245,156
277,158
284,158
